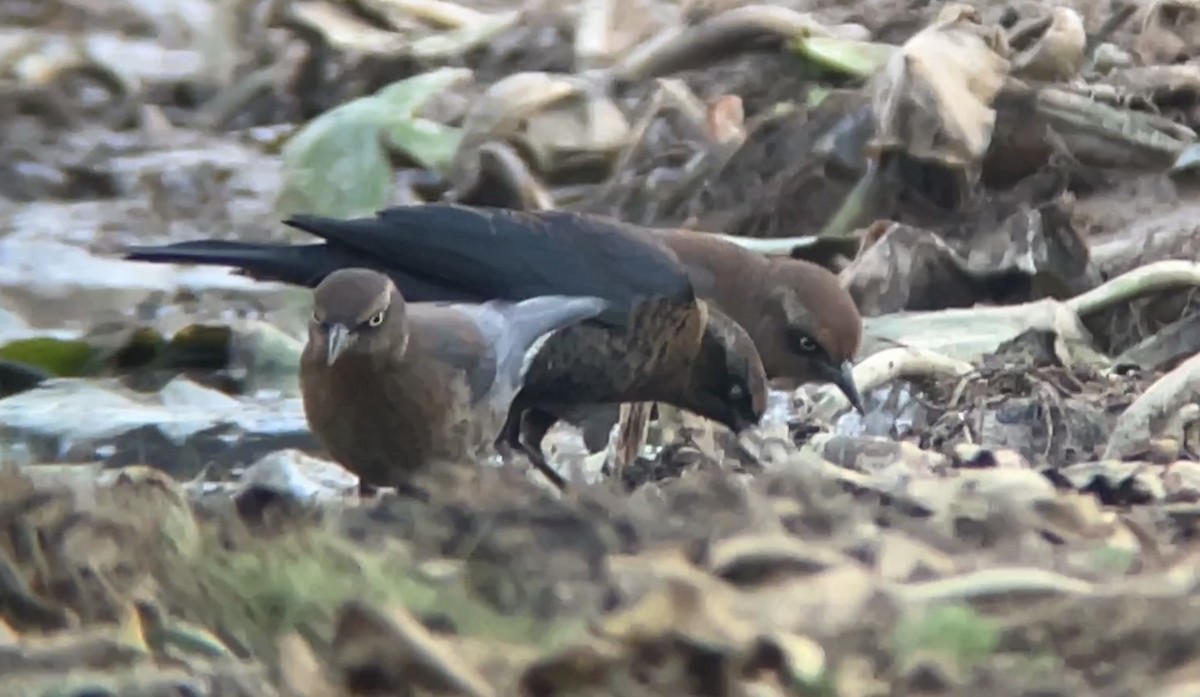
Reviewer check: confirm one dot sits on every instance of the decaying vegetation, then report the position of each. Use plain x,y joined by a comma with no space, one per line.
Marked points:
1008,190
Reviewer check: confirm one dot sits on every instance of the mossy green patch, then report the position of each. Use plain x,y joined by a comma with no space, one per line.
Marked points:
262,589
954,632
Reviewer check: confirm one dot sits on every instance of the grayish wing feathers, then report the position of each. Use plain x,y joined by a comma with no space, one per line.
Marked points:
516,331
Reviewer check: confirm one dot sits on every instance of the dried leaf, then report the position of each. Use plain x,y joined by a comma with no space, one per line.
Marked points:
933,100
442,13
394,648
693,607
1169,33
457,42
748,561
803,659
575,132
727,119
1059,54
301,673
901,558
346,32
824,603
1141,422
574,668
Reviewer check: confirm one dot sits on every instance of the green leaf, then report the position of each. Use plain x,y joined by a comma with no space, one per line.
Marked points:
429,143
64,358
816,95
336,165
855,58
406,97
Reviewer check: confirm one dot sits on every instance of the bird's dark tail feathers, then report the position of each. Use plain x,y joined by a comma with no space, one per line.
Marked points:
303,265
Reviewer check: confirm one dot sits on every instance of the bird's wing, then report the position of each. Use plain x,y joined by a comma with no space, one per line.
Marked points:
496,253
514,333
302,265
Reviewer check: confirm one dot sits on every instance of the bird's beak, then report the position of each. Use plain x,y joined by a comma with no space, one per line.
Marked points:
844,379
339,340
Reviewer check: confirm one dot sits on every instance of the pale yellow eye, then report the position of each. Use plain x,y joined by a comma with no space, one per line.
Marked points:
376,319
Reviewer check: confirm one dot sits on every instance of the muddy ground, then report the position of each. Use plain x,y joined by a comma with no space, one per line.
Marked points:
998,184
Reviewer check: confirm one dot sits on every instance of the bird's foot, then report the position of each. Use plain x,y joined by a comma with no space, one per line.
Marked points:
510,456
539,462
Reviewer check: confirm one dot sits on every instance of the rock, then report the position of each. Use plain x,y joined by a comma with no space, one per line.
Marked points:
181,428
300,476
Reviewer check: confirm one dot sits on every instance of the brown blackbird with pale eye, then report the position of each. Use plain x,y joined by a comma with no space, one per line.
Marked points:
806,327
390,387
803,322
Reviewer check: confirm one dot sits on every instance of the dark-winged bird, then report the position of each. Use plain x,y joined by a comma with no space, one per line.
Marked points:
804,324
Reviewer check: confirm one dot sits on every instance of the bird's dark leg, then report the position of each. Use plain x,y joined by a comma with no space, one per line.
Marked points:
510,440
534,423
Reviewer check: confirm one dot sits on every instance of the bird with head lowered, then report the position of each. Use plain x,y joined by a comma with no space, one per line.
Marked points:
656,341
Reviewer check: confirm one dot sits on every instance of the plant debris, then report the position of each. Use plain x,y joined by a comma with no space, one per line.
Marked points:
1006,190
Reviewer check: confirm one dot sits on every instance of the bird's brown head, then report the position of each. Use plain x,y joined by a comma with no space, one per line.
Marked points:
356,311
727,382
814,327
